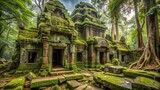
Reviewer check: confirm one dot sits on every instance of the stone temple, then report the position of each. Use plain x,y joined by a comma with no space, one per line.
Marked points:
64,40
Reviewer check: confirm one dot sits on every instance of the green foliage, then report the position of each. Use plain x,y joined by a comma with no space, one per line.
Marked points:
12,15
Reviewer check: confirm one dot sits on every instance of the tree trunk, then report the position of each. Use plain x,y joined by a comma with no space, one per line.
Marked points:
112,30
117,31
149,59
139,27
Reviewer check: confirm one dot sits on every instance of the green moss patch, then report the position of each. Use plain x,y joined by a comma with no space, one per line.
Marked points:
73,76
15,83
135,73
113,82
44,73
17,88
80,41
142,83
42,82
56,87
31,76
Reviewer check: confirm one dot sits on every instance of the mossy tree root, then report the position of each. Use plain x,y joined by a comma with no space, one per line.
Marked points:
147,58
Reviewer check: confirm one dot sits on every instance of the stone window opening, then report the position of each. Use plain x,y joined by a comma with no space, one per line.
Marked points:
101,57
123,58
32,57
111,57
79,56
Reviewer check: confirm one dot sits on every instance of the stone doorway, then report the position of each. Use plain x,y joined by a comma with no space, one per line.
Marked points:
57,57
101,57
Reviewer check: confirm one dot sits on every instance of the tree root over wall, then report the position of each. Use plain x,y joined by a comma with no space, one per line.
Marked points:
148,59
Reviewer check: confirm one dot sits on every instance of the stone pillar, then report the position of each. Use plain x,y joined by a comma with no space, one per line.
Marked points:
86,57
50,58
45,53
71,61
91,55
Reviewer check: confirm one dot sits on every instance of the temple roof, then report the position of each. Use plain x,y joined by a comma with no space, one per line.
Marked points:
85,13
56,16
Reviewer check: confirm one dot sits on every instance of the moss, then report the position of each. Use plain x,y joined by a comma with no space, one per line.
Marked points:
83,4
44,73
135,73
73,77
115,61
112,82
145,84
6,74
15,83
31,76
92,23
66,66
112,74
101,67
43,82
61,80
29,67
80,41
108,64
122,46
56,87
75,33
92,39
53,4
17,88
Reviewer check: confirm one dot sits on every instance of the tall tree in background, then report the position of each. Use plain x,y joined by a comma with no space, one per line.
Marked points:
114,11
139,26
40,4
12,14
150,57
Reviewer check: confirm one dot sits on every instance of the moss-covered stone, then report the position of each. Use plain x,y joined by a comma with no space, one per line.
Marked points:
73,84
15,83
56,87
113,82
135,73
115,61
26,68
142,83
42,82
61,79
73,76
31,76
44,73
29,35
80,41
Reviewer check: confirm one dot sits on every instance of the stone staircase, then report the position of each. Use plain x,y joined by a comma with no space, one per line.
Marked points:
58,76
